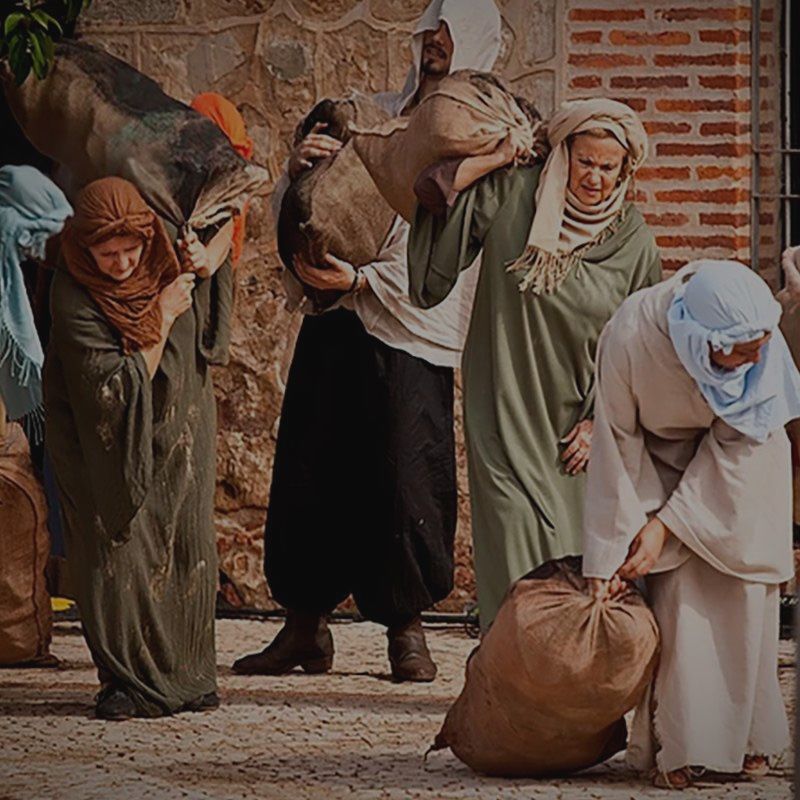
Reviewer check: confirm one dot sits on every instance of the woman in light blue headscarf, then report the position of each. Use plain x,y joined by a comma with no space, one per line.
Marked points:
32,209
689,484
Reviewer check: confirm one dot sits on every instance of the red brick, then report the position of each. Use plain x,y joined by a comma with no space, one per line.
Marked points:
724,129
686,14
636,103
718,150
767,15
664,174
717,240
649,82
586,82
723,197
714,172
719,218
666,127
765,218
711,60
587,37
725,36
724,81
672,264
605,14
667,220
640,38
609,61
690,105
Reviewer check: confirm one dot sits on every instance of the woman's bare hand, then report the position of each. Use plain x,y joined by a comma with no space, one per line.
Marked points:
602,589
645,550
194,255
579,446
176,298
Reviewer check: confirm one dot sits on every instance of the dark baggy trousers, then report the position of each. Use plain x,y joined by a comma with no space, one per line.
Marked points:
363,497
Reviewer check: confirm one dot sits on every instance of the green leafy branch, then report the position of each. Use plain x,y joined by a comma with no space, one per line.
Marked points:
29,30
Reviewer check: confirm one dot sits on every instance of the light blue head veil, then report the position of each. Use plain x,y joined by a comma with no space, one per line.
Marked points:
32,209
723,304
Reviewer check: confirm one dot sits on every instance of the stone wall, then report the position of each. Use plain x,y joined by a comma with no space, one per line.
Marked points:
685,68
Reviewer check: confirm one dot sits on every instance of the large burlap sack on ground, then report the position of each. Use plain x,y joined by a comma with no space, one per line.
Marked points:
469,114
25,612
97,116
547,689
335,206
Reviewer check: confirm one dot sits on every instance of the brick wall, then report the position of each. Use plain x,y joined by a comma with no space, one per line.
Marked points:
684,66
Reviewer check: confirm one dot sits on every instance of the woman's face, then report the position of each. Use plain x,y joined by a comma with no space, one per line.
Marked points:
118,257
595,166
744,353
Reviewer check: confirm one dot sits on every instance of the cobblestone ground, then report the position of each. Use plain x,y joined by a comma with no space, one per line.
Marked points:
352,734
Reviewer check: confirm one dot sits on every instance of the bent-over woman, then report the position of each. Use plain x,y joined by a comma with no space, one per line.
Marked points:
690,484
131,425
562,248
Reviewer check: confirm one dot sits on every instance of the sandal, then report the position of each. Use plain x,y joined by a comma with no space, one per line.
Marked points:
755,767
678,779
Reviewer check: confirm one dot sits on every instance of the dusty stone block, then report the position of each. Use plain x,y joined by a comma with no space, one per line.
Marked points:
326,9
353,58
121,45
164,57
220,9
212,58
133,13
398,10
540,88
530,33
286,60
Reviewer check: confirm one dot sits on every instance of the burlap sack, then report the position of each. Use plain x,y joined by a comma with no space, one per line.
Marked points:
335,207
25,612
97,116
469,114
547,689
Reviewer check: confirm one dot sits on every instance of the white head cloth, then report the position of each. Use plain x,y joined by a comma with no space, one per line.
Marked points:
562,223
721,305
474,27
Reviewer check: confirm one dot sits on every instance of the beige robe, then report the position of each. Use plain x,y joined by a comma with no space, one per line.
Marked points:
659,449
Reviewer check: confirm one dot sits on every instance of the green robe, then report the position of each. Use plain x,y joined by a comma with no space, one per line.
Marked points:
528,367
134,459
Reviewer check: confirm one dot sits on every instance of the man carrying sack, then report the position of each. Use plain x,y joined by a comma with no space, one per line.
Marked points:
363,497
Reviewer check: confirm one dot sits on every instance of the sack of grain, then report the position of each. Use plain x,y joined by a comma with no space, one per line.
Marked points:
96,116
335,207
25,613
468,114
547,689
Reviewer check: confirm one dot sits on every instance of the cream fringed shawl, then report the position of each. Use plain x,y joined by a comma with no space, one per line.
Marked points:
564,227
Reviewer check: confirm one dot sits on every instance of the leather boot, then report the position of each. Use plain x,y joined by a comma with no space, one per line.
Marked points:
408,653
304,641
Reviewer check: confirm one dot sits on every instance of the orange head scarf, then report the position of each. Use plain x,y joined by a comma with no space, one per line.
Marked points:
113,207
227,118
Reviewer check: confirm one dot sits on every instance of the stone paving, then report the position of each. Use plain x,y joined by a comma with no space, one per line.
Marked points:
352,734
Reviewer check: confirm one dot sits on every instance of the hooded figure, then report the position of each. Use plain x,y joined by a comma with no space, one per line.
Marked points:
32,209
690,485
131,426
363,497
528,363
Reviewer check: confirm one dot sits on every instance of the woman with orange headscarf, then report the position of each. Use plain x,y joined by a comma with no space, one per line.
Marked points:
131,426
227,118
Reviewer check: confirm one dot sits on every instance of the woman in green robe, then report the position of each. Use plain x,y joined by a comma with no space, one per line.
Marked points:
561,249
131,425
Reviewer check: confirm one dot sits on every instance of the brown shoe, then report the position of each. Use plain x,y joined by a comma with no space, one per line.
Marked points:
408,653
304,641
